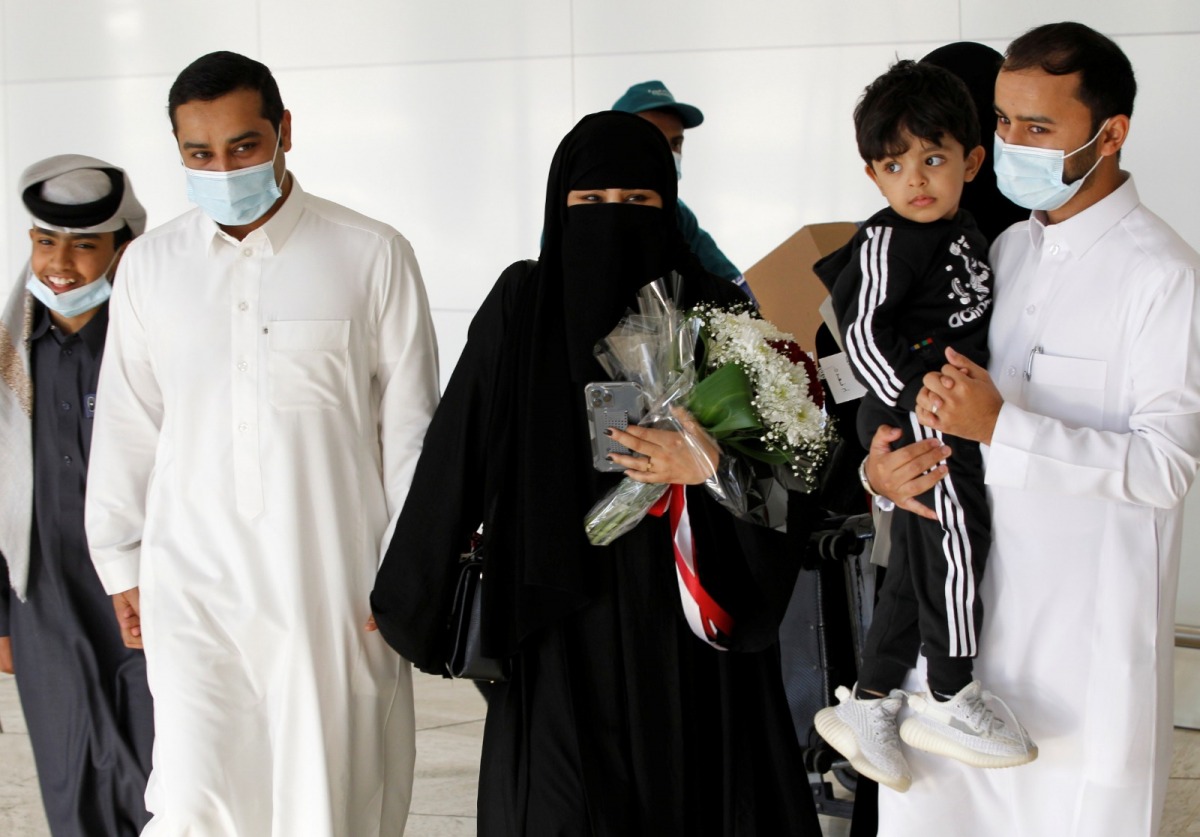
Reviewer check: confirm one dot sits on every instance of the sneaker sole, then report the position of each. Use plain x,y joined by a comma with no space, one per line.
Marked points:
923,736
841,738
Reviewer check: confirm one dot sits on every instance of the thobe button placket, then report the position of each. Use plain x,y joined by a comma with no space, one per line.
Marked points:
1031,310
246,275
1011,371
65,407
66,460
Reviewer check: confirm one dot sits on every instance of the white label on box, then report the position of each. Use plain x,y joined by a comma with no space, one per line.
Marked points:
843,386
830,318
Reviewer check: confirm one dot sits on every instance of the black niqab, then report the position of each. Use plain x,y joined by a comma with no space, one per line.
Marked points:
594,259
604,251
977,66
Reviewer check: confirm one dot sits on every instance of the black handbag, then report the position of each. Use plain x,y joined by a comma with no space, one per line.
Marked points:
464,658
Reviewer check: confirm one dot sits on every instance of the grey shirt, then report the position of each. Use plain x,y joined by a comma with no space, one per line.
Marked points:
65,370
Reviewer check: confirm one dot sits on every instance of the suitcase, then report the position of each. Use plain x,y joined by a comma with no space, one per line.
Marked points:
821,639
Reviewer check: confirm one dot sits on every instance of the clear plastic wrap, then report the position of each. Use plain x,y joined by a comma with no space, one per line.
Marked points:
743,436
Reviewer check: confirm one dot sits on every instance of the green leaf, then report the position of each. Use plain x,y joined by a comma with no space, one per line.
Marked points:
721,402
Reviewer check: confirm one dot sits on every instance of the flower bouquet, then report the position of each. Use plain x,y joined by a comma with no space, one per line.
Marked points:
754,392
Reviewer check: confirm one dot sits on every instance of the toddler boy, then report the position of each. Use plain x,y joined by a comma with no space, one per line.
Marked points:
914,280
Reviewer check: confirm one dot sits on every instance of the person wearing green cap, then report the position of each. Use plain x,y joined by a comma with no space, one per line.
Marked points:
652,101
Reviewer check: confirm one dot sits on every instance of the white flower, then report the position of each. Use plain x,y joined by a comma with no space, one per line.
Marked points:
792,421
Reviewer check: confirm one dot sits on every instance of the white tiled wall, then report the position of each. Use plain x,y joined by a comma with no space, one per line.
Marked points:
441,118
605,27
983,19
371,33
454,155
1165,129
9,188
89,39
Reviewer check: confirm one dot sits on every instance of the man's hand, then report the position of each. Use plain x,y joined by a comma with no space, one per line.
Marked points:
905,474
128,608
6,663
961,400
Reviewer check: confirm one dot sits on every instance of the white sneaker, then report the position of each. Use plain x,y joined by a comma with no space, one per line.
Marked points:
864,731
966,728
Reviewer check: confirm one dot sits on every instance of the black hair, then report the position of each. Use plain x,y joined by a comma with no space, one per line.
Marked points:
218,73
1106,82
122,236
921,99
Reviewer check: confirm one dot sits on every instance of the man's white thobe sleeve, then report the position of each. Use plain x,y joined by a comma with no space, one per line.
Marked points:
125,435
1152,464
407,372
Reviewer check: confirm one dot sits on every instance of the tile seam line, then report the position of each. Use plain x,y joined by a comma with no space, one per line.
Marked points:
277,68
571,60
412,813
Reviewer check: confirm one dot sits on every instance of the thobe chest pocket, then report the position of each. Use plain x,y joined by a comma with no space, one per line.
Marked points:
1068,388
308,362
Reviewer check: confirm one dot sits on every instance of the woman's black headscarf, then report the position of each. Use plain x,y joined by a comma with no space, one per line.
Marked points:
978,65
594,258
600,254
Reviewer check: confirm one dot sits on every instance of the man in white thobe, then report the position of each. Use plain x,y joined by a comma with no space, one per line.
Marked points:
1092,418
270,372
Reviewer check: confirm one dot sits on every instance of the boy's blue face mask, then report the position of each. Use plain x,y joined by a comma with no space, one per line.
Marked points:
237,197
1033,177
76,301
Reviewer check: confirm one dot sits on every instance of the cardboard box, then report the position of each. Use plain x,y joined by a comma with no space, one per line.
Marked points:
788,291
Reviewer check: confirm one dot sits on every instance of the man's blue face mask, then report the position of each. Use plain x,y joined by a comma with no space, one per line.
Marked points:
237,197
1033,177
76,301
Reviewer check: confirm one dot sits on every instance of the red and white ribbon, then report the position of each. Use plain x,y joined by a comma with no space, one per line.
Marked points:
707,619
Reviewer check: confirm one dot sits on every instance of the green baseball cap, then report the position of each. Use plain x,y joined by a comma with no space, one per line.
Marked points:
654,95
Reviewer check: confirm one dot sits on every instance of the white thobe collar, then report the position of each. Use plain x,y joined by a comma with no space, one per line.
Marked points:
1077,234
273,234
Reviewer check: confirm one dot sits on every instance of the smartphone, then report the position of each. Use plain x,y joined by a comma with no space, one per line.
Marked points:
612,404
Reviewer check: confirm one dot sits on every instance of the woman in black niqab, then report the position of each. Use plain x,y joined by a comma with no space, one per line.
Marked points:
977,65
616,719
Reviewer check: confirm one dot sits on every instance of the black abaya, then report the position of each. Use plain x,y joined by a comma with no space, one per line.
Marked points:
617,720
